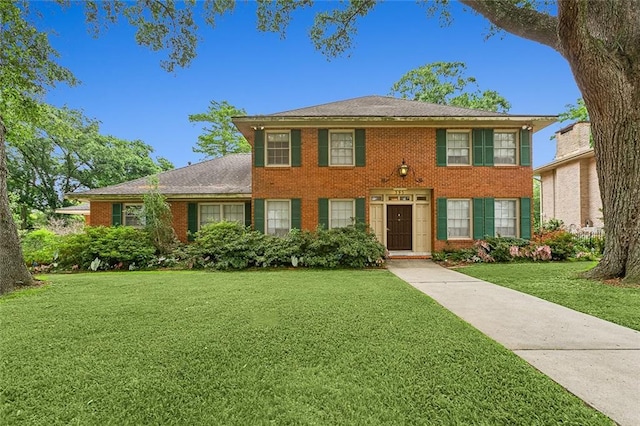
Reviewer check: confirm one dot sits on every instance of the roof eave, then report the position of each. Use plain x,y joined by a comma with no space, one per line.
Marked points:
170,197
564,160
247,124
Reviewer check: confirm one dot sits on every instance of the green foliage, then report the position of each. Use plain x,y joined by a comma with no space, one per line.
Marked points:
158,218
221,137
499,248
577,112
67,153
224,245
40,247
445,83
561,242
229,245
116,248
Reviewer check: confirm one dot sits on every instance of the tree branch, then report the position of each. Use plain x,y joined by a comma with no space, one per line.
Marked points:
523,22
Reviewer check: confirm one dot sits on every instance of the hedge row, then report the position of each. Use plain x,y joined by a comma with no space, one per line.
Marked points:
219,246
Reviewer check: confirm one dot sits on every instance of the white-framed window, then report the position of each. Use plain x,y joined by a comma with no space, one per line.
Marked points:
230,212
278,148
341,148
458,219
133,215
458,147
506,218
278,217
341,213
504,147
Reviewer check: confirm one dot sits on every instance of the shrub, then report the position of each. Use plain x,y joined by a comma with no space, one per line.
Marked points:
500,248
117,247
224,245
40,247
351,247
228,245
561,242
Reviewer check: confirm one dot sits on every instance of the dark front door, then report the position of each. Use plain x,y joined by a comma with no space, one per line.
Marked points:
399,227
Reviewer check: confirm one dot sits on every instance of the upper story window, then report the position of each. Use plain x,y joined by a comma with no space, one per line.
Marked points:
133,215
278,149
341,213
458,148
506,222
458,219
278,217
341,148
504,148
218,212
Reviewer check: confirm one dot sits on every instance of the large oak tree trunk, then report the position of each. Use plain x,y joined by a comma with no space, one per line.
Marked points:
601,41
13,271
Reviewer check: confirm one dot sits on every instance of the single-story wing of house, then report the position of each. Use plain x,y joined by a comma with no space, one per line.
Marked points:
212,190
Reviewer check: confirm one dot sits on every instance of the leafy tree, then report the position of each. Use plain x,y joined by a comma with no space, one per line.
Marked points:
445,83
67,153
158,218
221,137
27,69
577,112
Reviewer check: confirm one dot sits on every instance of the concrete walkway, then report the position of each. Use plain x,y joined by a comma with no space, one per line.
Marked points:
596,360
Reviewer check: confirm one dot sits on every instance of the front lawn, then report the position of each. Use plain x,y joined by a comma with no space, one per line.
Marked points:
283,347
559,282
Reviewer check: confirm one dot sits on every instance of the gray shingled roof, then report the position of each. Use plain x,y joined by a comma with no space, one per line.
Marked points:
385,106
221,176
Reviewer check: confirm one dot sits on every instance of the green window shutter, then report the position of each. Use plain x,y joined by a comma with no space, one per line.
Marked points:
323,147
488,147
525,218
525,147
478,218
296,214
192,221
116,214
489,219
296,142
247,214
323,213
441,147
258,148
360,148
360,210
441,207
258,214
477,137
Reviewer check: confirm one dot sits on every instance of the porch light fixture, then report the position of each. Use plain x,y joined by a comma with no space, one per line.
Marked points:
403,169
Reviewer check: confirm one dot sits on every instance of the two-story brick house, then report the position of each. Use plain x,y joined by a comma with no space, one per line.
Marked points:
423,176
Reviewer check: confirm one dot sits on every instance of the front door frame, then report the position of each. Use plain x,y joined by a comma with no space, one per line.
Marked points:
421,201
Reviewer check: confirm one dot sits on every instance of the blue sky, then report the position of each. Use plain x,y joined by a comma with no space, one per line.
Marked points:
124,87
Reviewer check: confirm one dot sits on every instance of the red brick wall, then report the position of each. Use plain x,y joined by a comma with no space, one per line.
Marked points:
385,150
101,215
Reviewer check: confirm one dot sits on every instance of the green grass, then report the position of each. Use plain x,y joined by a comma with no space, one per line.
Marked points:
283,347
559,282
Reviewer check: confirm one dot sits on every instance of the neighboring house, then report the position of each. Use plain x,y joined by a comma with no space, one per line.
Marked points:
423,176
200,193
569,184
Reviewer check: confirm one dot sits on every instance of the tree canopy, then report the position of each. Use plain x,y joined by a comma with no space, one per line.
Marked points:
445,83
220,137
67,153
